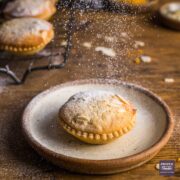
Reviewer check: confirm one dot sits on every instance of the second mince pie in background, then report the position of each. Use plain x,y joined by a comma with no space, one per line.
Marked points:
134,2
42,9
25,35
97,117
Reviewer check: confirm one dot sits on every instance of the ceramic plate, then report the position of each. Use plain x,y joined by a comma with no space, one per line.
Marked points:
166,19
152,130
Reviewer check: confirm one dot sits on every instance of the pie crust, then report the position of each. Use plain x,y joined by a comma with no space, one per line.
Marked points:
25,35
97,117
42,9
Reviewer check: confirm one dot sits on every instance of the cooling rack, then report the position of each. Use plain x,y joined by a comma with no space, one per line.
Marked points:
70,29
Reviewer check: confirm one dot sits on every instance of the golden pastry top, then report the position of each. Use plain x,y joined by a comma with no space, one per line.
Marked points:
25,32
27,8
97,112
135,2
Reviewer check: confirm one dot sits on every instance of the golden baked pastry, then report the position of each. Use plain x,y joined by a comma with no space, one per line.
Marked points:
42,9
25,35
97,117
135,2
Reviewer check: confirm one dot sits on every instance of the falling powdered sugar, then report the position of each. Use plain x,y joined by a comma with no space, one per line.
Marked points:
109,39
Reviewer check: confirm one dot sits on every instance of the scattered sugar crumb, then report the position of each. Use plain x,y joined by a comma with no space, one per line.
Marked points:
137,60
87,45
169,80
139,44
157,166
109,39
64,43
145,59
106,51
124,34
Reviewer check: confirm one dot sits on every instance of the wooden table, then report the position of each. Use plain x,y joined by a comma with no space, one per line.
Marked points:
19,160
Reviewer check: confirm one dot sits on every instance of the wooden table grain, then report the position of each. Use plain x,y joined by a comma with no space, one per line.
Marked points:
19,161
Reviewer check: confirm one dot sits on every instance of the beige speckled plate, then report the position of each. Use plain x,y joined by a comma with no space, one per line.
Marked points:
152,130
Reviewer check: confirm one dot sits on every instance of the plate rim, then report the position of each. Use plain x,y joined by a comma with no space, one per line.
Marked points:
155,148
166,20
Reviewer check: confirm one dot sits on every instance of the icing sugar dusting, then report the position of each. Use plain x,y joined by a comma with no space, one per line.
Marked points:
113,42
92,96
17,29
21,8
94,111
